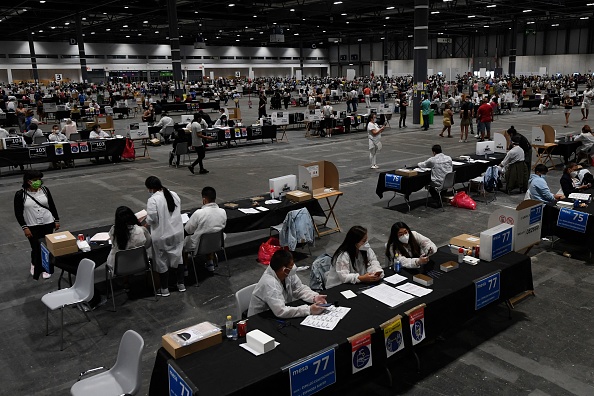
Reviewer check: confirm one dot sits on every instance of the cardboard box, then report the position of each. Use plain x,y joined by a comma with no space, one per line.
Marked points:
423,279
298,196
449,266
405,172
259,341
466,240
170,344
318,177
61,243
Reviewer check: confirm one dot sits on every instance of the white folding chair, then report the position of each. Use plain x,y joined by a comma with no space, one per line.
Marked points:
122,379
242,299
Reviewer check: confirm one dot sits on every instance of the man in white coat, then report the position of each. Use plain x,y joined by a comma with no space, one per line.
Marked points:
208,219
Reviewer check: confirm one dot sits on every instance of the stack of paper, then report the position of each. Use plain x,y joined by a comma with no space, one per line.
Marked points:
414,289
388,295
100,237
326,320
394,279
249,211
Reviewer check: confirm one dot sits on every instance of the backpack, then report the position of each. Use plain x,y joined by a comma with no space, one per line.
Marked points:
319,269
491,178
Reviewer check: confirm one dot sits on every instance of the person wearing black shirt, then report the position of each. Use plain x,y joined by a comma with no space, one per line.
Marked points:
262,106
524,144
569,180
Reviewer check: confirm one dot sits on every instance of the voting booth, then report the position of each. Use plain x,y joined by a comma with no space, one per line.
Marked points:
138,132
526,219
318,177
106,122
497,241
280,118
280,186
313,115
501,141
485,148
234,114
543,141
186,118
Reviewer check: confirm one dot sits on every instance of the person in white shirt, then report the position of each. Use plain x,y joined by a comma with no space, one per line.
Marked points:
208,219
440,165
587,140
69,128
224,112
32,133
3,133
588,95
222,121
196,127
126,233
164,122
354,261
375,136
280,285
98,133
412,248
57,135
328,113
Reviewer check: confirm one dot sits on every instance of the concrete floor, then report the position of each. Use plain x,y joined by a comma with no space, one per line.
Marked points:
546,349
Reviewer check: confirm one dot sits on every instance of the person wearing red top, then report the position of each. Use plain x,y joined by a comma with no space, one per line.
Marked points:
484,117
367,94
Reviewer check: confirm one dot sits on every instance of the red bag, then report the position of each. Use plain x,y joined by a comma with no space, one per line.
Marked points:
462,200
129,154
267,249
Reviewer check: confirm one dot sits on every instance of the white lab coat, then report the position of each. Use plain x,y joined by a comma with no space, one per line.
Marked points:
167,231
270,293
343,271
210,218
413,262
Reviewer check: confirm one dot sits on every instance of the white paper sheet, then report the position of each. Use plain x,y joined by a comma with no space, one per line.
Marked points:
262,208
483,161
141,215
348,294
388,295
326,320
185,218
580,196
422,169
272,201
100,237
394,279
457,163
413,289
249,211
247,348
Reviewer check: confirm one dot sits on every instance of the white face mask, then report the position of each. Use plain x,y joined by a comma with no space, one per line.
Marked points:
403,238
574,174
365,247
292,271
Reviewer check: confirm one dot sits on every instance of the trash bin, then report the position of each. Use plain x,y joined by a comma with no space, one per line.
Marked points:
431,117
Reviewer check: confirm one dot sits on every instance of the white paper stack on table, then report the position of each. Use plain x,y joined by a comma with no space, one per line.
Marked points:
100,237
249,211
394,279
413,289
580,196
326,320
388,295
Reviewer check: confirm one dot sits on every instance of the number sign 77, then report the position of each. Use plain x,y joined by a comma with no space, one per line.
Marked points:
506,236
317,363
492,283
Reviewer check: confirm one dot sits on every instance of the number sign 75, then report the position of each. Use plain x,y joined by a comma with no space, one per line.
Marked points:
579,217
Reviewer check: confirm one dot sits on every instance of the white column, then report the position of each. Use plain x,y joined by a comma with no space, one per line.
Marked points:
9,75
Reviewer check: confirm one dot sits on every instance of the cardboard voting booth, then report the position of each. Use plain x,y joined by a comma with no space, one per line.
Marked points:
234,114
105,122
313,115
543,134
280,186
318,177
497,241
138,130
526,219
186,118
280,118
502,142
485,148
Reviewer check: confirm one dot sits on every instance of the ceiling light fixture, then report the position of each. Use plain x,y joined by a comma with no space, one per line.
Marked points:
338,2
471,16
434,12
527,11
492,6
390,8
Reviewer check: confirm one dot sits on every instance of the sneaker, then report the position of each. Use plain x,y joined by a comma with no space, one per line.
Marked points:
191,168
163,292
465,141
460,141
181,287
45,275
210,266
32,269
202,171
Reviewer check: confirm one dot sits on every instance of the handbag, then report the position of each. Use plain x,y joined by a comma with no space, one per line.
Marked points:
129,153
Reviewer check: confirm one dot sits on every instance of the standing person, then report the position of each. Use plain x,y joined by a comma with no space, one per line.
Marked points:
465,120
355,99
440,165
167,233
375,137
568,104
367,94
21,114
328,113
448,116
484,116
349,99
197,136
262,106
37,215
426,108
403,106
588,95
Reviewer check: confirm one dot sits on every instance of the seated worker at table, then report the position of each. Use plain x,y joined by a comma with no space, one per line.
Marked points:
179,136
354,261
149,114
222,121
587,142
569,181
32,132
126,233
164,122
98,133
57,135
538,188
516,172
208,219
280,285
440,165
206,118
413,248
584,176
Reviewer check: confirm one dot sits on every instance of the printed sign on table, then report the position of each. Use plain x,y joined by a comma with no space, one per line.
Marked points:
97,145
361,353
573,220
59,149
83,147
393,337
177,385
313,374
38,152
45,259
487,290
416,320
393,181
73,148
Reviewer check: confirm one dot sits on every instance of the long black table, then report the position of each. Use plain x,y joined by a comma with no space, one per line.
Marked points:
566,149
193,106
464,173
451,303
40,153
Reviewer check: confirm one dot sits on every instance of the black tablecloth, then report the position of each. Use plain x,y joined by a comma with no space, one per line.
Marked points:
550,228
228,369
409,185
566,149
47,152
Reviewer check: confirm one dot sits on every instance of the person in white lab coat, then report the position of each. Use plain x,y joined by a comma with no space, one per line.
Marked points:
412,248
354,261
280,285
208,219
167,233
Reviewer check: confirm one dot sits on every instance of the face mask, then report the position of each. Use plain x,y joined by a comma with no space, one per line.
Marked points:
574,174
150,193
36,184
365,247
292,271
403,238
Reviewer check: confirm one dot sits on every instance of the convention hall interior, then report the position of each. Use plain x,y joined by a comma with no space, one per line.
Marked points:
309,123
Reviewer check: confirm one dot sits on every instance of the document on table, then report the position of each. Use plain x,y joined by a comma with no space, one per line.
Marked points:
580,196
422,169
185,218
326,320
272,201
395,279
457,163
388,295
100,237
348,294
249,211
483,161
262,208
414,289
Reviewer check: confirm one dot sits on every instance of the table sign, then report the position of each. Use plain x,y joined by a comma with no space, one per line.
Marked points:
83,147
361,357
487,290
393,181
497,241
393,339
45,259
38,152
177,385
416,320
74,148
312,373
97,145
59,149
573,220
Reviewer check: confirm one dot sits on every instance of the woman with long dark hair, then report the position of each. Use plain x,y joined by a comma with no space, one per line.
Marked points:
126,233
354,261
413,248
167,233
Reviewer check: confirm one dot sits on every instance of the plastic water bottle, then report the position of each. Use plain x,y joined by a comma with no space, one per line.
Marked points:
397,263
229,327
